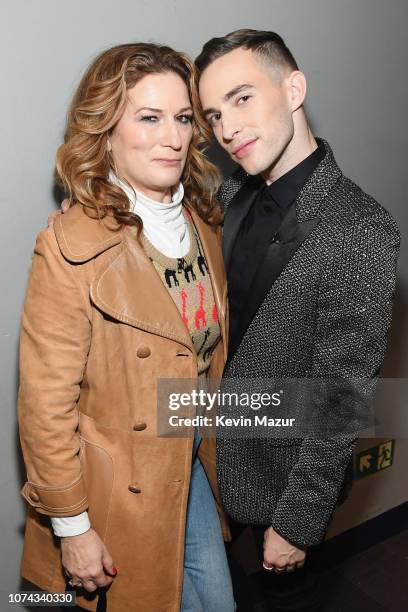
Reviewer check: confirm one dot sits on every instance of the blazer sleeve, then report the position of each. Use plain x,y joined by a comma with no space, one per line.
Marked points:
54,344
354,313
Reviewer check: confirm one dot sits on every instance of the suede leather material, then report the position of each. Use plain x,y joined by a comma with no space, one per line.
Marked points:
98,329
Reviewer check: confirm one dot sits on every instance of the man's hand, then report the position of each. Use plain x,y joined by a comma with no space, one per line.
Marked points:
279,555
86,561
64,207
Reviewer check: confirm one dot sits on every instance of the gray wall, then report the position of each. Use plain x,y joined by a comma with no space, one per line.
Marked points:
353,53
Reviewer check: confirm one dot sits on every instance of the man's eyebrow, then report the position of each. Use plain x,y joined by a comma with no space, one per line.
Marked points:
230,94
236,90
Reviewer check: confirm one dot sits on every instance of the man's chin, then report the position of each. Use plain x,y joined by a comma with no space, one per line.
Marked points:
251,168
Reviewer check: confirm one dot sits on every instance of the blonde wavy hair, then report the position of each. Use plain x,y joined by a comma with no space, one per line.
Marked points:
83,162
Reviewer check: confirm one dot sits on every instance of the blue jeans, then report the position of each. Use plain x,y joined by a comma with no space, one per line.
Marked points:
207,583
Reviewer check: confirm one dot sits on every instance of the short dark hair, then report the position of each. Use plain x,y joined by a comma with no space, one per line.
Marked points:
268,46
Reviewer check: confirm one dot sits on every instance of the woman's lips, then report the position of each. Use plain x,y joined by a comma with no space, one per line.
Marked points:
244,149
169,162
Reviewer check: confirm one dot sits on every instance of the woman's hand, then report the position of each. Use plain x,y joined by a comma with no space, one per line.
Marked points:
87,561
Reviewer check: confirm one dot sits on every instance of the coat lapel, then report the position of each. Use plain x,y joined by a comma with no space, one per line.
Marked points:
127,286
129,289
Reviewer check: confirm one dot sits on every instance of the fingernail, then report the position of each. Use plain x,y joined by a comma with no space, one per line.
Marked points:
114,570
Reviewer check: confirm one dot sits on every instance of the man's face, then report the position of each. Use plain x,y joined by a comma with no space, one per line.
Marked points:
248,107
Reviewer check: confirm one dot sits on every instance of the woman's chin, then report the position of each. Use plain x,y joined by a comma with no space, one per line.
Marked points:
166,181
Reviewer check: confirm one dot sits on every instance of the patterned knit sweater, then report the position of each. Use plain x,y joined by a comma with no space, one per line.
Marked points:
188,282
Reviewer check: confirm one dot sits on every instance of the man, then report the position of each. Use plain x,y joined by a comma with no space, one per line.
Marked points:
311,262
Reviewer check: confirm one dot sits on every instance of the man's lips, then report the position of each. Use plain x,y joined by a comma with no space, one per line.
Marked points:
243,148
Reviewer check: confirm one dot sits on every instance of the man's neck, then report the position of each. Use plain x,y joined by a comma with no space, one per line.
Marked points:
301,146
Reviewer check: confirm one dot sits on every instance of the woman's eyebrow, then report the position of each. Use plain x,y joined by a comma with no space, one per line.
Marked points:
160,110
154,110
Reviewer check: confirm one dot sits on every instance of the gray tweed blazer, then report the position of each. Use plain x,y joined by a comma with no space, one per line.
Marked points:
319,307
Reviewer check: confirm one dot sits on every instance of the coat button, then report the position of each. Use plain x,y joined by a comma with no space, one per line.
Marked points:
134,489
139,426
34,496
143,352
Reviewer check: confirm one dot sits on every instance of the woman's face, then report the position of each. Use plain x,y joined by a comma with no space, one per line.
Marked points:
150,142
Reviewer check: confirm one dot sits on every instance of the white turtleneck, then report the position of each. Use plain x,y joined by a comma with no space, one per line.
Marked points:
165,226
163,222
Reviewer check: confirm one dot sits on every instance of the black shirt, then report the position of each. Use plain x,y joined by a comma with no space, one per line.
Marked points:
260,226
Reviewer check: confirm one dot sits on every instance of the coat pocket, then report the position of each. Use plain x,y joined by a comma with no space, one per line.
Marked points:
98,471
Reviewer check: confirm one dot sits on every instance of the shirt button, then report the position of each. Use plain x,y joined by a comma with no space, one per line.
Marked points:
134,489
139,426
143,352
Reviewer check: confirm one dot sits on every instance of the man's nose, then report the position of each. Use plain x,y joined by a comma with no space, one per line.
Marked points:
230,128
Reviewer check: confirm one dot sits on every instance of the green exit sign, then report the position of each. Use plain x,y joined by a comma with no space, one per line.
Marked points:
375,459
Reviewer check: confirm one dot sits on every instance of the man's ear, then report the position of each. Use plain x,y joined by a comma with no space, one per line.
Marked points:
297,89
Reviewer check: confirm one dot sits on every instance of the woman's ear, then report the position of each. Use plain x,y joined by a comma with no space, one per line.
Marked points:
108,144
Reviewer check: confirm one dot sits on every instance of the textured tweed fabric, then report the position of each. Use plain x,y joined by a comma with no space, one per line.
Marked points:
325,315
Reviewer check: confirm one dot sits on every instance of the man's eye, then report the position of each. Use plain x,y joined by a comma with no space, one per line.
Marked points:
243,99
185,119
149,118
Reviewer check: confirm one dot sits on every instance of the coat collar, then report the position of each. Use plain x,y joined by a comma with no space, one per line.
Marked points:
81,238
127,286
316,188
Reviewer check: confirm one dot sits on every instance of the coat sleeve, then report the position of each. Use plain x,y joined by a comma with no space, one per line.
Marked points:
54,344
354,313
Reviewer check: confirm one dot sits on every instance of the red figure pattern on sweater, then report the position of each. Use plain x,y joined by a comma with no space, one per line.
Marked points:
200,312
183,295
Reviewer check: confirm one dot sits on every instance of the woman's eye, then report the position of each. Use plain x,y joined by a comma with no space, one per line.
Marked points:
185,118
214,118
149,118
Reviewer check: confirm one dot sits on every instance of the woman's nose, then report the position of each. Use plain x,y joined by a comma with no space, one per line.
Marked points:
172,137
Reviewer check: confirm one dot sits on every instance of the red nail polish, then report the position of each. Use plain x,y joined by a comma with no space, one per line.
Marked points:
114,570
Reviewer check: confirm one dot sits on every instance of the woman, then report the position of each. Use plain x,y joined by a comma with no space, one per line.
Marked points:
127,287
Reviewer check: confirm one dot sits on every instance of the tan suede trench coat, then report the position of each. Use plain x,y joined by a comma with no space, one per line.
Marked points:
98,329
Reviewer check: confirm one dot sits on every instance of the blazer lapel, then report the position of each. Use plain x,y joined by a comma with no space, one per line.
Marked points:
282,248
237,210
301,220
284,244
129,289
